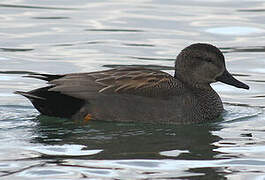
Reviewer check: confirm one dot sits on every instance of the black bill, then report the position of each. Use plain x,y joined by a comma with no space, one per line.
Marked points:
227,78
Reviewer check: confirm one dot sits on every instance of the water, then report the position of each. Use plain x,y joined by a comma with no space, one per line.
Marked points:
80,36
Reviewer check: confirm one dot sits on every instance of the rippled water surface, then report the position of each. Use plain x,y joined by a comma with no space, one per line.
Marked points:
54,36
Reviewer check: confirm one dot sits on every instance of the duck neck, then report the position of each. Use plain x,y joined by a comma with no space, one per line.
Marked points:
206,102
209,104
192,84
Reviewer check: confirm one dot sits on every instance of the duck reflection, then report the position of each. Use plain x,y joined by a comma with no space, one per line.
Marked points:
130,140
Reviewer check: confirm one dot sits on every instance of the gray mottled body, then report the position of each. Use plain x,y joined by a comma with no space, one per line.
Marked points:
193,107
140,94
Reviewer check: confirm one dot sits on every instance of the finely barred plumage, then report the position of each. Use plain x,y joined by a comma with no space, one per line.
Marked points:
140,94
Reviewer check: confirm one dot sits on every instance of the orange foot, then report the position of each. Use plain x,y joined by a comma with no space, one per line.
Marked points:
87,118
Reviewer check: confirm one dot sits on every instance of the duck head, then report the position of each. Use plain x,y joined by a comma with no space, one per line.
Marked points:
202,64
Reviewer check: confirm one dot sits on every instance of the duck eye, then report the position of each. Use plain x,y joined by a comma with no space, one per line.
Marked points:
207,59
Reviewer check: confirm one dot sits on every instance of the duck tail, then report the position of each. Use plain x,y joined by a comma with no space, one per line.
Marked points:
53,103
45,77
29,95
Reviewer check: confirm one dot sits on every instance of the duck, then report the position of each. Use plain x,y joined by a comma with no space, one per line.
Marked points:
137,94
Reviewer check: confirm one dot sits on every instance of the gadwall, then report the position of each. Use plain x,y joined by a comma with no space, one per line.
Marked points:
138,94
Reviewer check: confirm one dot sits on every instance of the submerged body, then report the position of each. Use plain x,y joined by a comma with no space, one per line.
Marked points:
139,94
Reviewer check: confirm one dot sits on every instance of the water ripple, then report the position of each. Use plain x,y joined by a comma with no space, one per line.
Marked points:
115,30
35,7
15,49
64,150
235,30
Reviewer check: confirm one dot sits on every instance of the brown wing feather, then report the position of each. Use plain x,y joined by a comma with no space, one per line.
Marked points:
136,81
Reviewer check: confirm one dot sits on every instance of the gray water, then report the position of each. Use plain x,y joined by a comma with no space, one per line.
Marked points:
54,36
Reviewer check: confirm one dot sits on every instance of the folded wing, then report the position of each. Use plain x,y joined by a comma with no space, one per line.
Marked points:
131,81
